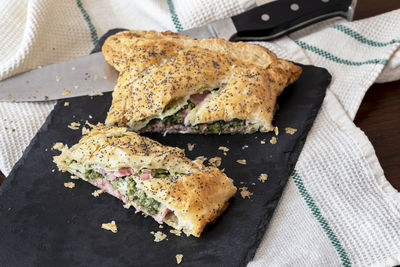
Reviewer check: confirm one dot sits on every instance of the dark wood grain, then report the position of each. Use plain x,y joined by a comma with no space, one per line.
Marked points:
370,8
379,118
379,113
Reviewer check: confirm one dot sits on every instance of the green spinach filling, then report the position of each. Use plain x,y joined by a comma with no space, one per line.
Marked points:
92,175
160,173
177,118
214,127
127,187
219,126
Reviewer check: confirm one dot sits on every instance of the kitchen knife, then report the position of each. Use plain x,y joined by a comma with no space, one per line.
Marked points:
274,19
91,75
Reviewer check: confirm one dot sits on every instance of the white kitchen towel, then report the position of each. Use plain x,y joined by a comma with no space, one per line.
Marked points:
338,208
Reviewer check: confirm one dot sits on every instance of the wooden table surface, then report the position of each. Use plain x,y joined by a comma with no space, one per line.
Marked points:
379,113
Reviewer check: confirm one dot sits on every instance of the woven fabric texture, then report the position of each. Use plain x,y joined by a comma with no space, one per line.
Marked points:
338,208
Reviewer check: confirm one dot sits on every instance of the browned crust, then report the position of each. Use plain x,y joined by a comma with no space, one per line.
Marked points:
197,199
116,147
197,196
157,68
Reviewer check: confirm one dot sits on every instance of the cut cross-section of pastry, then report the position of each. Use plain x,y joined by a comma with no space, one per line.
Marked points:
173,83
155,179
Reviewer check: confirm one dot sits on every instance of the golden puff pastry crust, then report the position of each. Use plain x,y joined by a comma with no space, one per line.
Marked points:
160,68
113,148
197,198
196,195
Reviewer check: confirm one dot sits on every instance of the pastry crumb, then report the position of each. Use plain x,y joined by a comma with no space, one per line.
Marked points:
96,193
90,116
158,236
53,170
178,258
73,68
201,159
190,146
73,177
276,130
241,161
89,124
74,125
291,131
127,206
58,146
215,161
66,104
161,226
67,92
10,96
273,140
69,185
58,78
223,148
85,131
244,192
245,146
110,226
176,232
263,177
95,94
95,77
262,142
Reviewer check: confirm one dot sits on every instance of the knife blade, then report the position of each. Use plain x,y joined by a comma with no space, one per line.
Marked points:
87,75
91,75
274,19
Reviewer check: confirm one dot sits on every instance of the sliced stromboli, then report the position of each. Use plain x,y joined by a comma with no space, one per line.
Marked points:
137,51
173,83
157,180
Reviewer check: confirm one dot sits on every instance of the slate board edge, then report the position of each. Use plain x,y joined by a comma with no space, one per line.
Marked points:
268,215
27,150
292,163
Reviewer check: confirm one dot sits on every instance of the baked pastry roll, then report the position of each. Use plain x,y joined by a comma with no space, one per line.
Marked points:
155,179
173,83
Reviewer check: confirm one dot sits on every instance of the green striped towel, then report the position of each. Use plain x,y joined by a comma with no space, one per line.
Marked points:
338,208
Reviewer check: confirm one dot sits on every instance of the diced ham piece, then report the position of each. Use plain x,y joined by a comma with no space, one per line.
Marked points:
103,184
160,216
124,171
106,186
146,175
138,209
112,175
158,127
185,113
200,97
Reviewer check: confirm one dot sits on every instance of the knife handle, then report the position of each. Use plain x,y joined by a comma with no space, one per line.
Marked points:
279,17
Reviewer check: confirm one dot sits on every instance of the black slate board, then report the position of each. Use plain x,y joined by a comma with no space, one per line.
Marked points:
42,223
